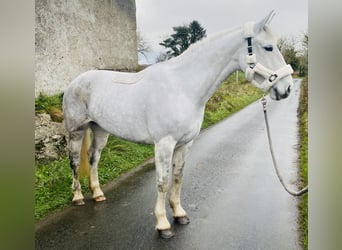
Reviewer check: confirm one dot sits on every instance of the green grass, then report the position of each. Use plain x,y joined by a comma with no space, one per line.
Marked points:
44,103
229,98
53,179
303,160
51,105
52,186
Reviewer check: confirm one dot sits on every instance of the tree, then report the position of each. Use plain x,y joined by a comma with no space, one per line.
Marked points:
143,47
289,52
295,53
182,38
303,56
161,57
197,32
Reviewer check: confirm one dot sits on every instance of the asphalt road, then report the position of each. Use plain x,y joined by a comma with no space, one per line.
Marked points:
230,191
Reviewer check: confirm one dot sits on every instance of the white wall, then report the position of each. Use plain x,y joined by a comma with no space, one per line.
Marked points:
73,36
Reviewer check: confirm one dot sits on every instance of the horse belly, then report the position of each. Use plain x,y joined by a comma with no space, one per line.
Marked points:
134,132
124,121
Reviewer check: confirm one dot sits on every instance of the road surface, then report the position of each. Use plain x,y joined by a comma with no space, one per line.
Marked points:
230,191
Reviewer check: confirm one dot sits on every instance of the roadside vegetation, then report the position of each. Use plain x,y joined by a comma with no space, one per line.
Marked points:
295,52
303,160
51,105
53,179
229,98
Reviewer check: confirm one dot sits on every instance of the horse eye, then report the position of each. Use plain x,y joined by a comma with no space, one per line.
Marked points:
268,48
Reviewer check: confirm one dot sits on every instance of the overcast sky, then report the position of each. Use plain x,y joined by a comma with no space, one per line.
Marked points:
155,18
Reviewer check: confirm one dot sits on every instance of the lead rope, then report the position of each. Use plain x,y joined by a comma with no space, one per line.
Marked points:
300,192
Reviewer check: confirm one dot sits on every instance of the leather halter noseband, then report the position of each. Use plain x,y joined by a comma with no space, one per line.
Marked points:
271,77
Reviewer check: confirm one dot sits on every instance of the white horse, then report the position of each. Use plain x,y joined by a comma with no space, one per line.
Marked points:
164,105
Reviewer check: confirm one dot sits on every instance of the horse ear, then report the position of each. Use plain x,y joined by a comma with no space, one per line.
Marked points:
261,24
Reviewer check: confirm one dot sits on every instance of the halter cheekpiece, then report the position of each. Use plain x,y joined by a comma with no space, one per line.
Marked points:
271,77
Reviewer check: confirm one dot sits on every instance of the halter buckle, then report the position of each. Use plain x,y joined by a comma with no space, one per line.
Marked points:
272,77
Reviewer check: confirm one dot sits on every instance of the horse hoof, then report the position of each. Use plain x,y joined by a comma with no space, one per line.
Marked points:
184,220
166,233
78,202
100,198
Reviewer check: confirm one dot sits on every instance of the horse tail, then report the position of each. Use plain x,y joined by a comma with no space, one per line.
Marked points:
84,168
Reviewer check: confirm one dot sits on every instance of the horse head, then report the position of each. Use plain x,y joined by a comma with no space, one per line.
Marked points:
262,61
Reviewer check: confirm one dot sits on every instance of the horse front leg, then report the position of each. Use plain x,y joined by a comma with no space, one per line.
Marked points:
178,162
163,160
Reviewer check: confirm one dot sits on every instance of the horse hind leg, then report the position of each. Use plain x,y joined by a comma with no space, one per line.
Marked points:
75,145
178,162
100,138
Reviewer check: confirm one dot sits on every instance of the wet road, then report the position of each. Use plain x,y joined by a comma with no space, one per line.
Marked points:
230,191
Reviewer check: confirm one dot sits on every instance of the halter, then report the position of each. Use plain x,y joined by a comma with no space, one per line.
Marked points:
271,77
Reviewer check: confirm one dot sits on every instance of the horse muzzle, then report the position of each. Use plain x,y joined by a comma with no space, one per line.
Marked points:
276,95
270,77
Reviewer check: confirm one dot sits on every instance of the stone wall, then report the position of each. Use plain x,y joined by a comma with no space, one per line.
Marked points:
73,36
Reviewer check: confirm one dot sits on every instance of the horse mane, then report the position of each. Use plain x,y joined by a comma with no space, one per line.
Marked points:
218,35
132,78
208,39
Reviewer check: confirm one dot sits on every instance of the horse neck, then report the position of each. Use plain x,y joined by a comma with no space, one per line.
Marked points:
205,65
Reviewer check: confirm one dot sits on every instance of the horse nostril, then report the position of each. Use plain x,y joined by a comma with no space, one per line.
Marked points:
285,95
288,90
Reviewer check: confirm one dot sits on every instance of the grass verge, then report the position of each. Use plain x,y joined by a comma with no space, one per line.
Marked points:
53,179
229,98
303,160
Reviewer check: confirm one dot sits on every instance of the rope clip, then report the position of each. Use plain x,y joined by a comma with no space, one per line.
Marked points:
264,102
